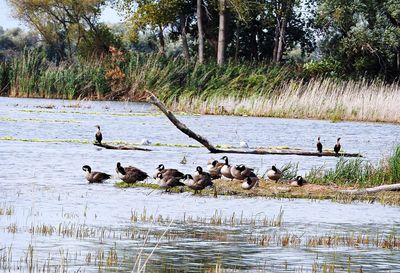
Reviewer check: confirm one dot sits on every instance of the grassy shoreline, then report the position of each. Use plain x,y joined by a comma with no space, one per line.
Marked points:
268,189
246,89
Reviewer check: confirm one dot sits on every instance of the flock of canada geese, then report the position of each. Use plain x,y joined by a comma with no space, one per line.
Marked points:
200,179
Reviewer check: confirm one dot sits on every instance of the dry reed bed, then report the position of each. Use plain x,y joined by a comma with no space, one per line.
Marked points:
317,99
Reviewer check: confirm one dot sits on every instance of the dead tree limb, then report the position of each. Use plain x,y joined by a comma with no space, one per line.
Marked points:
261,151
154,100
393,187
112,147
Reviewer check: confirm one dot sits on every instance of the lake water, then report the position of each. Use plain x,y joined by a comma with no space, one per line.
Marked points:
52,220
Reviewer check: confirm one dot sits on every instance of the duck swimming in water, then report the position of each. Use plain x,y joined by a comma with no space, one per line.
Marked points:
99,136
337,146
130,174
95,177
319,145
274,174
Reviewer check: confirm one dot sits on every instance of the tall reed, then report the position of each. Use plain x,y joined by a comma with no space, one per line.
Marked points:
249,88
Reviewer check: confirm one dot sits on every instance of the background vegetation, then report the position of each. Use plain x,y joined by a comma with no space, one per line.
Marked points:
212,54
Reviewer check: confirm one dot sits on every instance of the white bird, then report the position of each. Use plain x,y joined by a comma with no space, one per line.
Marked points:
243,144
145,141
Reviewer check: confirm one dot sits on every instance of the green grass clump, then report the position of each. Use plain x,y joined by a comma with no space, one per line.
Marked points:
359,173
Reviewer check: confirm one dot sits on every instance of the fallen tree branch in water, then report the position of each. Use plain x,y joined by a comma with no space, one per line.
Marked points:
261,151
393,187
154,100
112,147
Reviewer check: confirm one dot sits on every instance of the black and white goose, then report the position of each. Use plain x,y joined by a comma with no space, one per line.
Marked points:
319,145
130,174
214,168
298,181
274,174
240,172
169,172
337,146
250,182
98,135
226,169
198,182
167,181
95,177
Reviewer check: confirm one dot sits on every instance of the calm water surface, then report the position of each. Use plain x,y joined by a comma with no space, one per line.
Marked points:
43,185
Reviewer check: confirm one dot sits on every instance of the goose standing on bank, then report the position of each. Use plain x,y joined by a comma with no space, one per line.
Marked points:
226,169
214,168
99,135
337,146
167,181
240,172
274,174
130,174
168,172
250,182
95,177
319,145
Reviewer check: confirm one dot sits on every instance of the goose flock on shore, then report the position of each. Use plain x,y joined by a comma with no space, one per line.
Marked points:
200,179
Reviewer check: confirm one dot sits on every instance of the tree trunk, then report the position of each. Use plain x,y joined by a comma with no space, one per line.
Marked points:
221,33
261,151
237,42
398,59
281,44
276,40
161,50
185,46
200,30
392,187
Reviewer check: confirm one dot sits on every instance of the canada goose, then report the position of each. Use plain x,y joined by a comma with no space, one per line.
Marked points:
99,136
201,176
274,174
337,146
167,181
130,174
250,182
173,172
319,145
95,177
226,169
298,181
198,182
240,172
214,168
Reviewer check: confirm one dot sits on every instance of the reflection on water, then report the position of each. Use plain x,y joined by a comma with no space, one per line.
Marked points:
70,224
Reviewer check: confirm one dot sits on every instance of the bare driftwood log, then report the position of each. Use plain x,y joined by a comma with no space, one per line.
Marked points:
112,147
393,187
262,151
154,100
